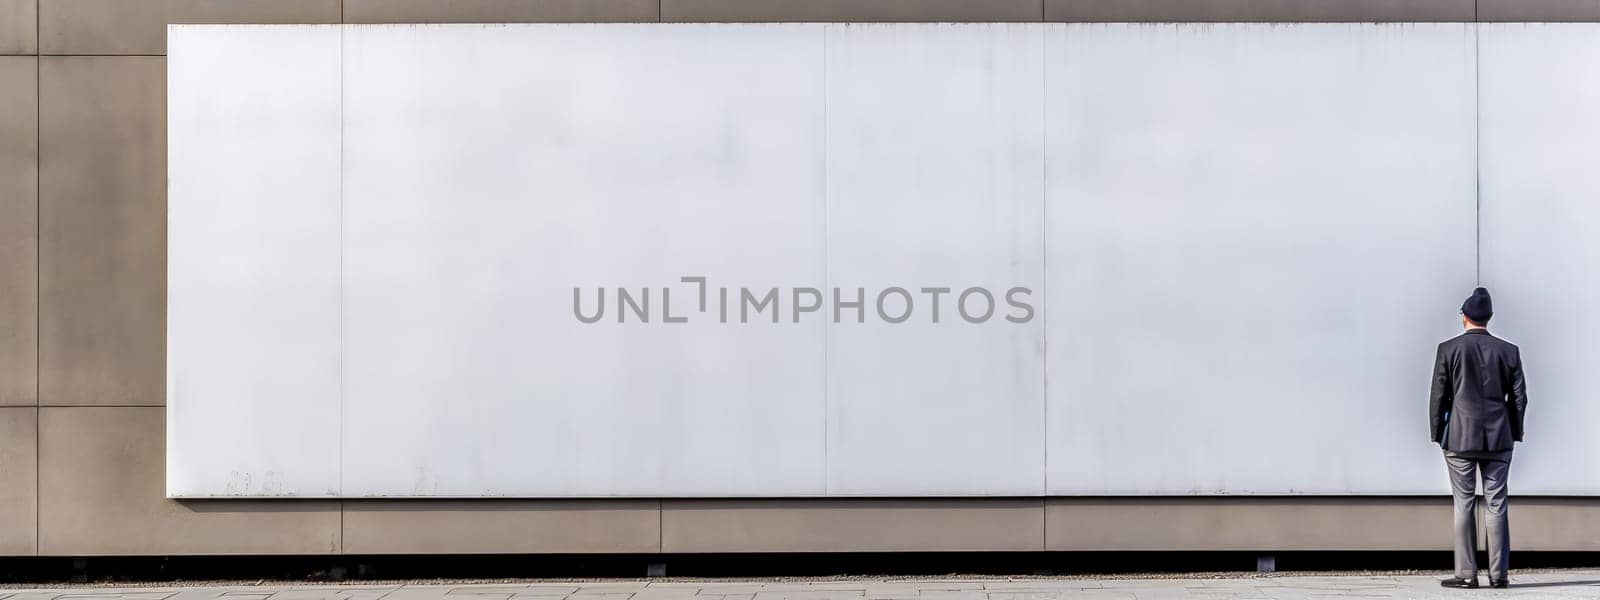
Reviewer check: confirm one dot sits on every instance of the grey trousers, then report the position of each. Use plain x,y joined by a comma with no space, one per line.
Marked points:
1495,467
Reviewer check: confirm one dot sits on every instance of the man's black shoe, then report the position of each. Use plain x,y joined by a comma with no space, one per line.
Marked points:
1457,582
1500,583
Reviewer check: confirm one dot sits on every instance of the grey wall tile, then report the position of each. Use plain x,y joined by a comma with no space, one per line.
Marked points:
102,492
1258,10
501,526
850,10
102,247
140,26
1539,10
1265,523
852,525
500,11
1555,524
19,239
19,27
18,476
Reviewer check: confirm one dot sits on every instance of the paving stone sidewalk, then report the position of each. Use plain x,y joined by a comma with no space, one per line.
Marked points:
1553,584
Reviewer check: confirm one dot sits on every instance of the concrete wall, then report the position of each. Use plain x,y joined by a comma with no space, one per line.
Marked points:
82,326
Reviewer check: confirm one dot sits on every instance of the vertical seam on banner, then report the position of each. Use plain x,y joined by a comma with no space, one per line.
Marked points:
1477,154
1044,257
342,548
827,384
341,278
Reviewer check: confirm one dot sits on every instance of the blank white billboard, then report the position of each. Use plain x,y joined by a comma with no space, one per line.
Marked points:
835,259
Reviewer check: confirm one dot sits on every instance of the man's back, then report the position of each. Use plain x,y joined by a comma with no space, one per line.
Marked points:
1478,394
1475,414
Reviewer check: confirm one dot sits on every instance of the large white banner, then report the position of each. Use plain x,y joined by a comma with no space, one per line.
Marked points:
860,260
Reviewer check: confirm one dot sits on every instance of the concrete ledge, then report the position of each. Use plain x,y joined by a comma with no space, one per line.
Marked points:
852,525
1555,524
859,11
501,526
1248,523
500,11
102,498
1539,10
1295,11
127,27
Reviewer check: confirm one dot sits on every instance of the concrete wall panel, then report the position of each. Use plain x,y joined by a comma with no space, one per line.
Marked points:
102,246
253,266
140,26
645,155
500,11
1303,11
100,493
1555,524
1177,524
1541,235
1256,236
19,229
852,525
849,10
935,153
19,27
18,480
501,526
1539,10
100,153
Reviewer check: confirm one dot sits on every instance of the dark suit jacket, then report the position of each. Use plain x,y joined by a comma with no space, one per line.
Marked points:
1478,394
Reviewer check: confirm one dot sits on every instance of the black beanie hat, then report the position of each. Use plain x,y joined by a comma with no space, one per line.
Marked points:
1478,307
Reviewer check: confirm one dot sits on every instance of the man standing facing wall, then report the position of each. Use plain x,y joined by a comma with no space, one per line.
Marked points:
1476,409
